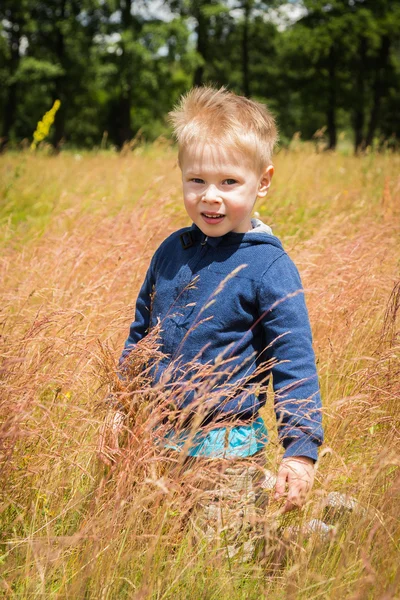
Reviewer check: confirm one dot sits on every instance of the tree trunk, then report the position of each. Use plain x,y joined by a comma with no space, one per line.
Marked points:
379,89
12,92
9,116
124,130
245,49
126,14
331,112
359,111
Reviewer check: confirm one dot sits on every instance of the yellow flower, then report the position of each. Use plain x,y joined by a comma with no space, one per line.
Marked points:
43,127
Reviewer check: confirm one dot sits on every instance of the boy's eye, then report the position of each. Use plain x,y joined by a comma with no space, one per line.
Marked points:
230,181
197,180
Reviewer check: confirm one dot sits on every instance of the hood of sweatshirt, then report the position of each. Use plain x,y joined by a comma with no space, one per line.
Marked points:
258,227
259,234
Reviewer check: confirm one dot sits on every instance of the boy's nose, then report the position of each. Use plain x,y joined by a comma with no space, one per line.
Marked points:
211,194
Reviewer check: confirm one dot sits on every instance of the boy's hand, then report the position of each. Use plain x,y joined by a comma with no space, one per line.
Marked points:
297,473
108,447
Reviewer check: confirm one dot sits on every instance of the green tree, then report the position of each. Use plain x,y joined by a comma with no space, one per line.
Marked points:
14,17
63,34
208,19
48,52
341,55
145,65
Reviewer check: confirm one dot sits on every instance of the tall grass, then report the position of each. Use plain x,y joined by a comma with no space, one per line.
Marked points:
77,235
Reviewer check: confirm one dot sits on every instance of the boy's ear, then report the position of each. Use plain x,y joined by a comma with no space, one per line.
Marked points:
265,181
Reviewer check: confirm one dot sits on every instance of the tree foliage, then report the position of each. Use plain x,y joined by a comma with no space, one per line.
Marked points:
118,67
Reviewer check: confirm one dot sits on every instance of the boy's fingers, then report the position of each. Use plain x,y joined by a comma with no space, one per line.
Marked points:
299,476
108,445
289,506
108,455
103,453
296,498
104,459
280,486
292,503
101,444
115,442
297,494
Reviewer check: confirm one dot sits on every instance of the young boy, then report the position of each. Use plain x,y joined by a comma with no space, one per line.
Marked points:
230,304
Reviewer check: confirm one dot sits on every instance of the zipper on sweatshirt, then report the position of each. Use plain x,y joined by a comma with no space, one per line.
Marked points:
199,255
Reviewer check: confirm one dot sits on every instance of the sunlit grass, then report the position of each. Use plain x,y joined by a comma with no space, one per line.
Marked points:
78,232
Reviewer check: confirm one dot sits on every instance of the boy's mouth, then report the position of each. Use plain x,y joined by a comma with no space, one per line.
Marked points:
212,217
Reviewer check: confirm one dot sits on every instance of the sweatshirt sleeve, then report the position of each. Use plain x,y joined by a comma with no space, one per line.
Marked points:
140,326
289,345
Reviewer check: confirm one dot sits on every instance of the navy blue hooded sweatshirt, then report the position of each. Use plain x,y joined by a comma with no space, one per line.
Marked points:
232,313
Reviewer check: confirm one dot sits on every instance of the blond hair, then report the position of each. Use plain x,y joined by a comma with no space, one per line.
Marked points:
206,114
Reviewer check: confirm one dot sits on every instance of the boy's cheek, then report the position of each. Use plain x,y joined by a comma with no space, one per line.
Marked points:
189,195
189,202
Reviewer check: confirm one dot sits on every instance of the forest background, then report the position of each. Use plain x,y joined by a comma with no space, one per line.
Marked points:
328,70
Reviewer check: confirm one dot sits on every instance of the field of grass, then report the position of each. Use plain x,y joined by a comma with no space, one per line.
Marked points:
77,234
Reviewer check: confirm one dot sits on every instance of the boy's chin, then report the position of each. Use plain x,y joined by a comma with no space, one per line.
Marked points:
212,230
212,233
221,231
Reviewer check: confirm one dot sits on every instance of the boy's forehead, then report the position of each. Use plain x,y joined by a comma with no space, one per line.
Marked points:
215,155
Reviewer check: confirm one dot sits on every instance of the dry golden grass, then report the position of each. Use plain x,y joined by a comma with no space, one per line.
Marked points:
78,233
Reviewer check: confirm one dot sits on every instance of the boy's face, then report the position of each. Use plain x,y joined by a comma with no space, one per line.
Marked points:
220,188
